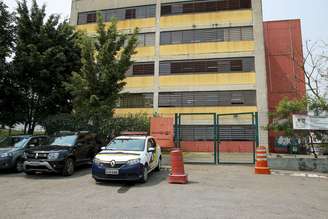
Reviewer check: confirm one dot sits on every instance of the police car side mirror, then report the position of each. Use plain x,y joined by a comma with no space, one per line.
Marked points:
103,148
151,149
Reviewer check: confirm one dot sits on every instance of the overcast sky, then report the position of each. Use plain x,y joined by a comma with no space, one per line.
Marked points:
313,13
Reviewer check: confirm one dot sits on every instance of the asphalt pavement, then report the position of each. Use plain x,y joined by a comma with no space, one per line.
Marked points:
212,192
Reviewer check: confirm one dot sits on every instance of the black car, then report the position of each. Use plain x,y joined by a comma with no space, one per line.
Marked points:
62,154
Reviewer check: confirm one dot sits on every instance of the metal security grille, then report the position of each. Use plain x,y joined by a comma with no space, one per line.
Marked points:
204,6
118,14
207,35
207,98
217,138
140,100
204,66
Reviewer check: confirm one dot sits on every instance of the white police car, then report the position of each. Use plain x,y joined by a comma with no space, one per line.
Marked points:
127,158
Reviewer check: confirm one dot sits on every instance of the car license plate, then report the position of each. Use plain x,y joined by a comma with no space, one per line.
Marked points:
111,172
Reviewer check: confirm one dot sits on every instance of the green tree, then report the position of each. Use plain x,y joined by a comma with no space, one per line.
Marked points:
97,86
282,119
46,54
9,111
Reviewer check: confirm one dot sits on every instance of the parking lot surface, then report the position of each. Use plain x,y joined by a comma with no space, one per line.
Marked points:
213,192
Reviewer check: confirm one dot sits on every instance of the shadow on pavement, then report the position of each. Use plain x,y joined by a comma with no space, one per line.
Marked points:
80,171
155,178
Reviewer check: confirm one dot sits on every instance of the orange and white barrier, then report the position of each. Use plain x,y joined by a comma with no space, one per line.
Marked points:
262,166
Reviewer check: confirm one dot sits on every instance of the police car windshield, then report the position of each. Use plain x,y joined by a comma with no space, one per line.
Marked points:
126,145
64,140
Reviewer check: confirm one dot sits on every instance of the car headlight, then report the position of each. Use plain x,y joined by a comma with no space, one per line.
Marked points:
53,156
96,161
133,162
6,155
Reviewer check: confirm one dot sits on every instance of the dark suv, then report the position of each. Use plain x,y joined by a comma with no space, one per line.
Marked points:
62,154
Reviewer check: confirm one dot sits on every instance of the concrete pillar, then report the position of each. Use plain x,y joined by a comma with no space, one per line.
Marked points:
157,56
261,75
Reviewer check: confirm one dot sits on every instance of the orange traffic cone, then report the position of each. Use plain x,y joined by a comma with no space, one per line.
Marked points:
261,166
178,173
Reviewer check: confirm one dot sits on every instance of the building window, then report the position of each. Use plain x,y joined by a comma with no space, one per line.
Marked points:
146,39
207,98
141,100
207,35
119,14
143,69
130,13
204,6
207,66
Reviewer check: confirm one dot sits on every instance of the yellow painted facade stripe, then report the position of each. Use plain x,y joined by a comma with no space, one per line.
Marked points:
139,82
240,16
144,52
208,79
169,112
207,48
121,25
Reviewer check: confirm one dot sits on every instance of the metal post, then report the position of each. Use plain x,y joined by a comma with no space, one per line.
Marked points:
215,139
257,128
254,136
218,138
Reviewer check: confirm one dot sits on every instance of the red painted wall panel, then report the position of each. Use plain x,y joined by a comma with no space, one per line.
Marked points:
284,55
225,146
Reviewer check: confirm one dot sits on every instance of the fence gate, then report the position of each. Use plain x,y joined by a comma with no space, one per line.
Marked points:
196,135
217,138
237,138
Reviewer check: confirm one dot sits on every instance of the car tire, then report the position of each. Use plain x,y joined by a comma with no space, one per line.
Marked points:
30,173
19,166
159,166
144,178
68,167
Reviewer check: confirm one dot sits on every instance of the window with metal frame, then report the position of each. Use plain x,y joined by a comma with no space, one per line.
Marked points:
246,64
140,100
207,35
118,14
143,69
199,6
207,98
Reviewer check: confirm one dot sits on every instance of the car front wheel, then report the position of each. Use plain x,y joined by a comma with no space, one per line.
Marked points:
144,175
68,167
19,167
159,165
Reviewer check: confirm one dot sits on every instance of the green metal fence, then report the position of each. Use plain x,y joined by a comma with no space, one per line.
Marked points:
217,138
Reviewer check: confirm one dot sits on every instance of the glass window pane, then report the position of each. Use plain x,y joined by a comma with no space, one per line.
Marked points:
165,38
130,13
82,18
235,34
141,12
164,68
188,36
149,39
141,40
151,11
247,33
176,37
177,9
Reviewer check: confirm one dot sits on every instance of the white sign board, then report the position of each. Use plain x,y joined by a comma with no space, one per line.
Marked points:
304,122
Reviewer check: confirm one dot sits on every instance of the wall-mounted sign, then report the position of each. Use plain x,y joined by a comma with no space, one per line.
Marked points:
304,122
